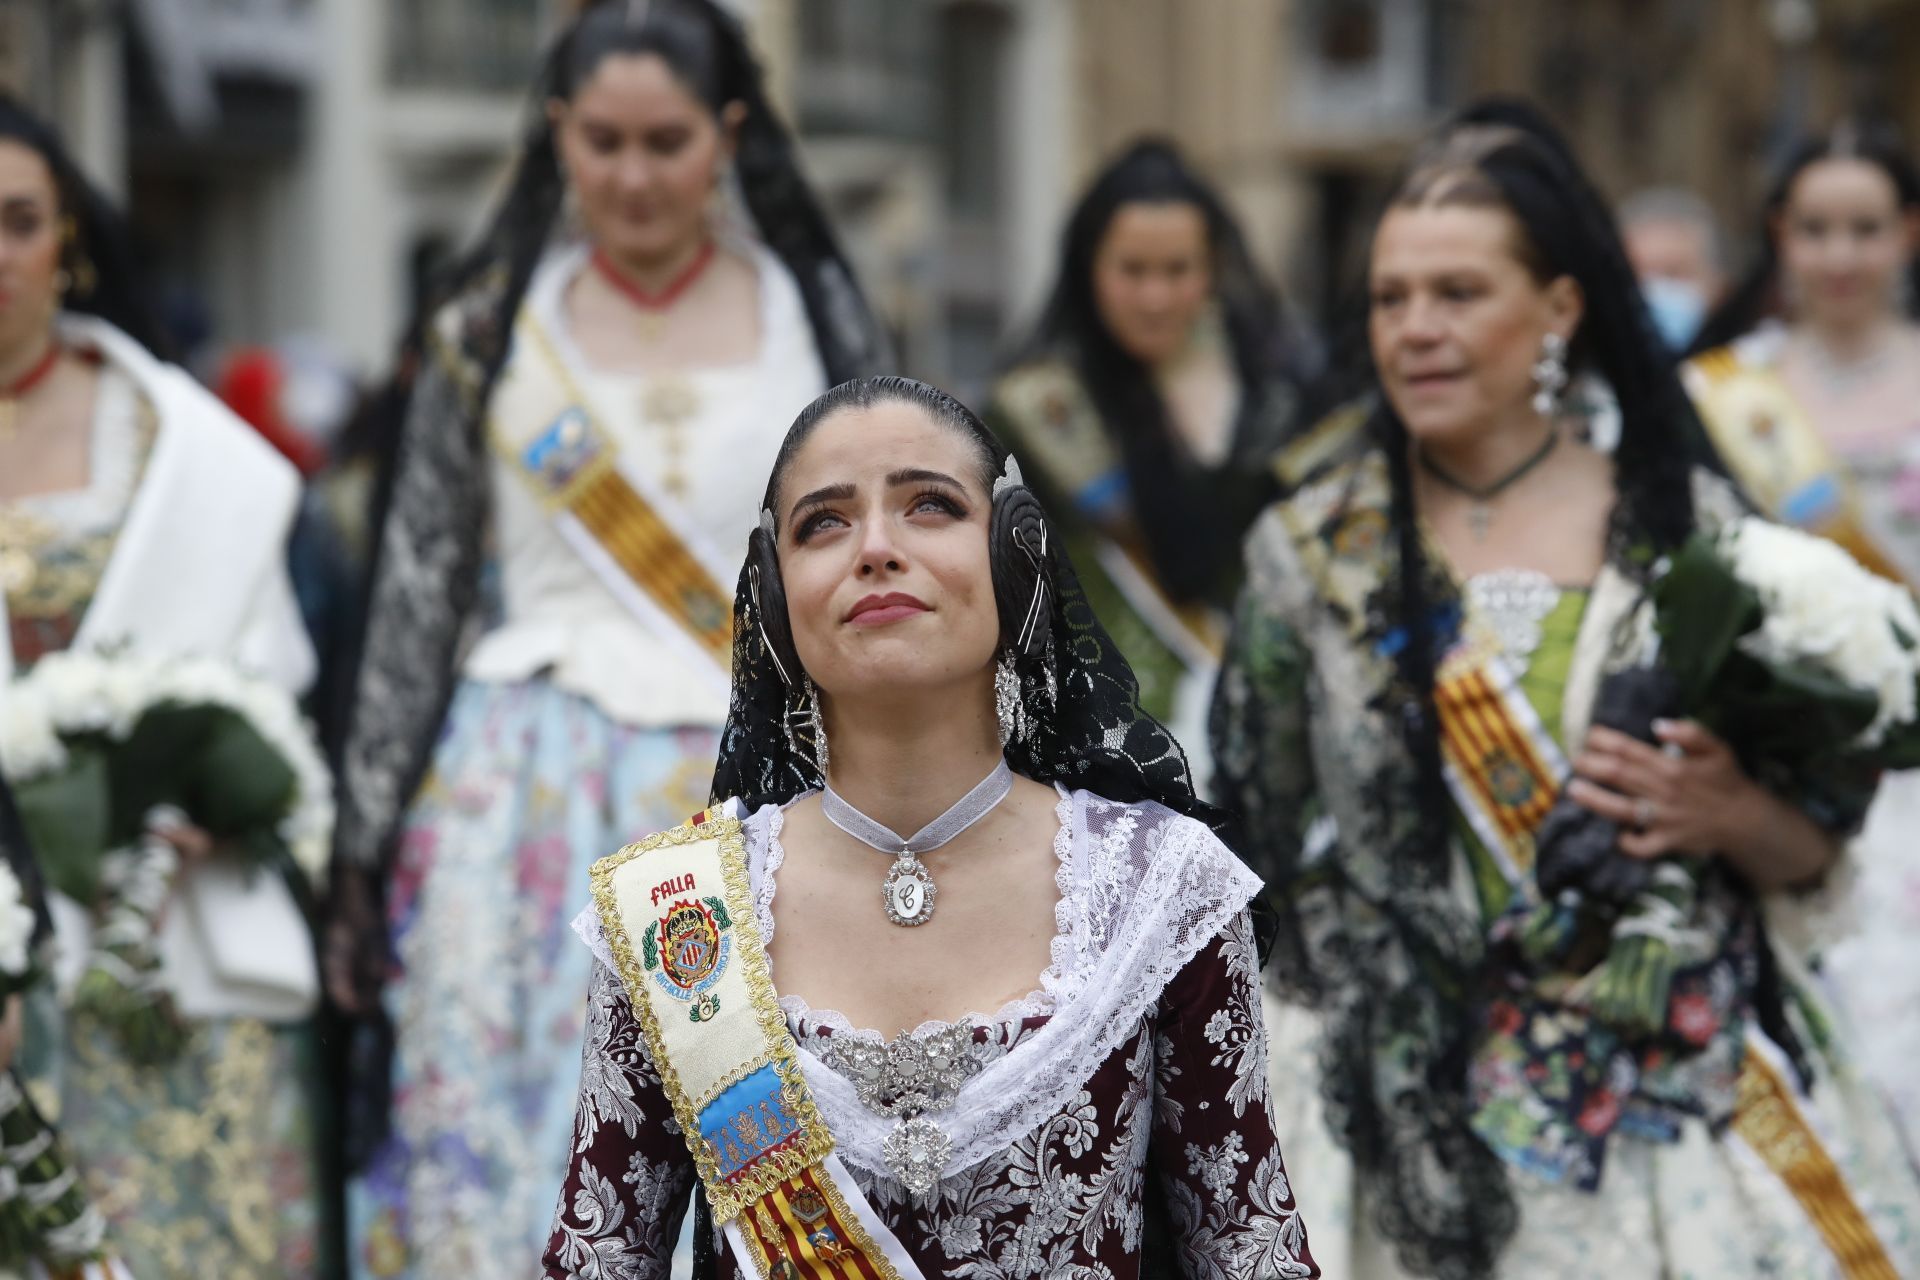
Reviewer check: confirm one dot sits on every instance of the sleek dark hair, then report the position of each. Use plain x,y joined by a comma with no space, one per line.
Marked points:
1092,732
865,393
1758,294
707,50
1190,533
97,254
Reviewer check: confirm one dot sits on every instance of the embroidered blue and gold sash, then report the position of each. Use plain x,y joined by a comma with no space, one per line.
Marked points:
628,533
1776,451
678,914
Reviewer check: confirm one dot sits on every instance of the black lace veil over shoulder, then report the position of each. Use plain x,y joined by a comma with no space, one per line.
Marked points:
1095,736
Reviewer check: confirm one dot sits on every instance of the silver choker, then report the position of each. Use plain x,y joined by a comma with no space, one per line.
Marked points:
908,891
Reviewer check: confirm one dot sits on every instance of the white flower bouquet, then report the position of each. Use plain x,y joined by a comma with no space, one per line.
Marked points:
1798,658
18,922
103,750
1781,643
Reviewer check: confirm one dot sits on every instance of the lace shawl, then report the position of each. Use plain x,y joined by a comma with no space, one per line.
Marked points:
1142,891
426,584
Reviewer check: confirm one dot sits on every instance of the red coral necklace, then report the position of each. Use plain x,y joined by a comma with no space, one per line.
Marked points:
13,392
655,301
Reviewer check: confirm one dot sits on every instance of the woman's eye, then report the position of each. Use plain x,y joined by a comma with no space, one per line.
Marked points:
939,503
603,143
815,523
668,143
23,222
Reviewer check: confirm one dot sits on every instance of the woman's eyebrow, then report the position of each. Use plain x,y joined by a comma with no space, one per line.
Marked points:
920,475
827,493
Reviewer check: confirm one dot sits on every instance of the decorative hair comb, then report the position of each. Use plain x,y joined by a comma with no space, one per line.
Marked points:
1009,478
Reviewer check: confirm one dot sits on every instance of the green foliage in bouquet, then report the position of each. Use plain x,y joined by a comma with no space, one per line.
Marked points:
1821,681
206,760
1783,711
48,1218
89,822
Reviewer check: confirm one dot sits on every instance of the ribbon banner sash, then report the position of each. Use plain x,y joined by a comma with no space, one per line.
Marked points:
1502,767
1778,454
632,535
678,915
1770,1122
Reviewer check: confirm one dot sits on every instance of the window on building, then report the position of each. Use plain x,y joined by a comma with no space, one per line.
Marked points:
483,45
865,66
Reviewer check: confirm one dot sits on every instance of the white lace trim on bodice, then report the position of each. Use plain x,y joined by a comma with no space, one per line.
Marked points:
1142,891
767,856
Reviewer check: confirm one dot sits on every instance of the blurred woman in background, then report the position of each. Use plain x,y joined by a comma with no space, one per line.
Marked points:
1809,379
138,516
1145,406
1527,1084
545,671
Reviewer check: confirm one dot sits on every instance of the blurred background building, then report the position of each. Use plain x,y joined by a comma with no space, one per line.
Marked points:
299,166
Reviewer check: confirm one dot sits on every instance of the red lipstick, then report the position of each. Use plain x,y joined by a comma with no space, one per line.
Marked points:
875,611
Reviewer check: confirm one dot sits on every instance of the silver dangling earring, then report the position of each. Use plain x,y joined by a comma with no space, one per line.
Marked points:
819,728
806,716
1549,375
1009,703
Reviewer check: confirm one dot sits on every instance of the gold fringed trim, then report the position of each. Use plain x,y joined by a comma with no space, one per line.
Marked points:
727,1198
1769,1121
803,1230
648,551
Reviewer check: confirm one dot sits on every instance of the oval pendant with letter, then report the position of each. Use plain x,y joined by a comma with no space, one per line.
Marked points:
908,892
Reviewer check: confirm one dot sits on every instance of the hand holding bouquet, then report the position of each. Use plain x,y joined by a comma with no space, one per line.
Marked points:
1782,646
109,751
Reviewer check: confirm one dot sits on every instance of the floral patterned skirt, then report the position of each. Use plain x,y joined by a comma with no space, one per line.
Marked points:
1703,1207
204,1167
530,786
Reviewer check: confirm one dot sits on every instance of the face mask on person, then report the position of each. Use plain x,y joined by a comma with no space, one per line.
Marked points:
1679,309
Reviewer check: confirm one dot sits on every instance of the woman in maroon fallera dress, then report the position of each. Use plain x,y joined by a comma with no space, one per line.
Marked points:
1068,1029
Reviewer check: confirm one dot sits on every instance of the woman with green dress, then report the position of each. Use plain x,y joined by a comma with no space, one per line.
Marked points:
1145,406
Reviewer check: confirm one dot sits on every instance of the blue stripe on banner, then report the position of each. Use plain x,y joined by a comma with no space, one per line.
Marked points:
562,451
1813,503
1104,494
747,1120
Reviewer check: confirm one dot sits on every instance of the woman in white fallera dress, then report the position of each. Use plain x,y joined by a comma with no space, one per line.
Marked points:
1809,379
139,516
544,673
